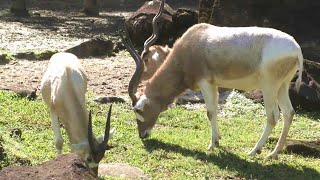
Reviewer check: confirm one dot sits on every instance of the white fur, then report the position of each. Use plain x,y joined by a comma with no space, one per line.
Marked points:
226,55
63,89
141,103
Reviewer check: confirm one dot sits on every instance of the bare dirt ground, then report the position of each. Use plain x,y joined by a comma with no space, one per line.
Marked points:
60,30
58,25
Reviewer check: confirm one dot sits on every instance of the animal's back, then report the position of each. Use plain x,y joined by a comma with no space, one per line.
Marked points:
238,45
226,53
64,79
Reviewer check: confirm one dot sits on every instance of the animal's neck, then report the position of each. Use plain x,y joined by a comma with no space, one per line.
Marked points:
167,83
77,129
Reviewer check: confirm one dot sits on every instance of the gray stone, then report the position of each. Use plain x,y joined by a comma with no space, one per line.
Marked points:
121,170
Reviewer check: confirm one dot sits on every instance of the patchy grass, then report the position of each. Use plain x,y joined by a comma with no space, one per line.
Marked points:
177,147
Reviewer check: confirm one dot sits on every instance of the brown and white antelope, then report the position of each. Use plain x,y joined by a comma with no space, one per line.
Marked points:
207,57
63,89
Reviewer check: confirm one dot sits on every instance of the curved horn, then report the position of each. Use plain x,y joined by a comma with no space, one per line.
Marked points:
90,134
155,28
135,79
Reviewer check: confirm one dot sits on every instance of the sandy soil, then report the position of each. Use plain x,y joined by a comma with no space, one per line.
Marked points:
56,30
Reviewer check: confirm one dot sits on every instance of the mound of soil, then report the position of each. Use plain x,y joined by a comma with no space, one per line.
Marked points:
64,167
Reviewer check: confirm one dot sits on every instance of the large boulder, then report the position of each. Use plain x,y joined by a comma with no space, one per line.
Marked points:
171,25
139,25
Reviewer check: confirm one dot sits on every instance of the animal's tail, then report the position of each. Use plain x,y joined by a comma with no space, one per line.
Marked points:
299,79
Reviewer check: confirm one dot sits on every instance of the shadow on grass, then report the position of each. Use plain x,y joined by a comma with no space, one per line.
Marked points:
312,115
232,162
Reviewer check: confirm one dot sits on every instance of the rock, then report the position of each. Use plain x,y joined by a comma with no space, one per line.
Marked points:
106,100
64,167
25,55
94,47
255,95
139,25
171,25
313,68
309,96
183,19
190,97
194,97
121,170
44,55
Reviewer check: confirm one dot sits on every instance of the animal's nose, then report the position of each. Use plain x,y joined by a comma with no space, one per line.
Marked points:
145,134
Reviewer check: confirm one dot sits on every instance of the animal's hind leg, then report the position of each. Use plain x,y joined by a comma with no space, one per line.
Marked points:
57,132
288,113
272,111
210,94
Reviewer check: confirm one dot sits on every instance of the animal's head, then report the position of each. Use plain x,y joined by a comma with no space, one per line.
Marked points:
93,151
147,109
152,59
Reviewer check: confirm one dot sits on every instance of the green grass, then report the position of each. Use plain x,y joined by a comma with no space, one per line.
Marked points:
177,146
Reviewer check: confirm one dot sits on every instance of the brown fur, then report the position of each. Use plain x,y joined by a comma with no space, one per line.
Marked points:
244,58
153,65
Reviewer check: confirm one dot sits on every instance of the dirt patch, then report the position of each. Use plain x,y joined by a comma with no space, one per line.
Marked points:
64,167
52,28
58,30
108,76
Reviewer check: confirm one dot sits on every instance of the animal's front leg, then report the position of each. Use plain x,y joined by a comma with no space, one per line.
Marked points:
210,94
57,132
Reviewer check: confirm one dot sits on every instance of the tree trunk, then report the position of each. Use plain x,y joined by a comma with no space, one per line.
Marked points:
205,10
18,8
90,7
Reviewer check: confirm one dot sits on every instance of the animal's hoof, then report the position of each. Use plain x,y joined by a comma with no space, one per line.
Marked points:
273,156
258,151
254,151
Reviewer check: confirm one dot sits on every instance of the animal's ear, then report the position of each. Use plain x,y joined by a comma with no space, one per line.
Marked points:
143,100
155,56
166,49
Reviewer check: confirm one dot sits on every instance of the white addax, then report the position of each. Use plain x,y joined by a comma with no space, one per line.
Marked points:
207,57
63,89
